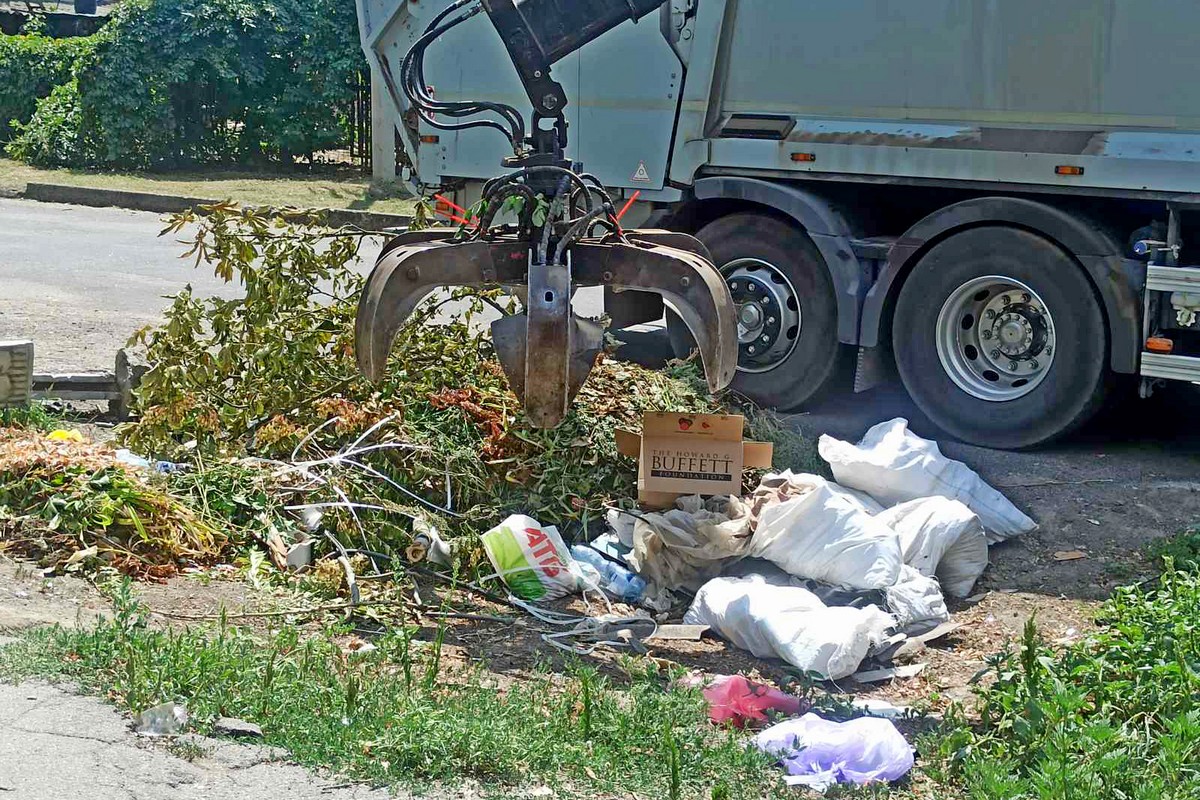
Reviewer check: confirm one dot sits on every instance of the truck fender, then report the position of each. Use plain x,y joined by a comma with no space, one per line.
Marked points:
1118,280
823,224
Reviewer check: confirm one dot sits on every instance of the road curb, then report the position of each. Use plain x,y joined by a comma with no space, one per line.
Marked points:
173,204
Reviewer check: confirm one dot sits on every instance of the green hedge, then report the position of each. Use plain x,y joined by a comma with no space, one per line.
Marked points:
30,66
177,82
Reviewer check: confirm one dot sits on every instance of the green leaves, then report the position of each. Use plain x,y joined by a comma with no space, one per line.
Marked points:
167,83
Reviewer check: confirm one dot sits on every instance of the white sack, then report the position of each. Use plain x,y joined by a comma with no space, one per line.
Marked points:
894,465
790,623
916,602
943,538
827,535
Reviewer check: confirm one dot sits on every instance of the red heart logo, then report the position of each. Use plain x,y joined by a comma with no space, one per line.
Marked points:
684,423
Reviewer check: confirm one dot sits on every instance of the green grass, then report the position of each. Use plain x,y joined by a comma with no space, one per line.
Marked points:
329,190
395,716
34,416
1114,716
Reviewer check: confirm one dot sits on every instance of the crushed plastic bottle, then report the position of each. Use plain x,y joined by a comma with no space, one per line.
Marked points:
164,719
613,578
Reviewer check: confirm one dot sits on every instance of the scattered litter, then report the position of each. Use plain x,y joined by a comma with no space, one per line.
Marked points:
610,576
882,709
820,532
736,700
889,673
790,623
300,555
588,634
894,465
356,646
818,753
62,435
532,559
680,633
682,548
428,545
943,538
945,629
1069,555
164,719
1094,521
236,728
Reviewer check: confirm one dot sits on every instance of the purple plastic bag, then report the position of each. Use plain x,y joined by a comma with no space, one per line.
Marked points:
818,753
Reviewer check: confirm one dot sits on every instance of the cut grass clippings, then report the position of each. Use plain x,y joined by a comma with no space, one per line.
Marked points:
62,500
394,716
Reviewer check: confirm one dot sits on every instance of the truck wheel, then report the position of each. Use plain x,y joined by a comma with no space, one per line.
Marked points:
1000,339
787,310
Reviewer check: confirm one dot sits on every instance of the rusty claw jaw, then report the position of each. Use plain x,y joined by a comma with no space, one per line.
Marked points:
547,352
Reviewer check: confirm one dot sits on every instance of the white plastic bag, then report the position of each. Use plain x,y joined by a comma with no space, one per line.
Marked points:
894,465
916,602
943,538
790,623
827,535
532,559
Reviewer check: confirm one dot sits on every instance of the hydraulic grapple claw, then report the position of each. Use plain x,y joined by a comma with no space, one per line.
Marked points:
547,351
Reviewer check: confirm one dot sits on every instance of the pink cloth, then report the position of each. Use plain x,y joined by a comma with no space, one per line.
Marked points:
732,698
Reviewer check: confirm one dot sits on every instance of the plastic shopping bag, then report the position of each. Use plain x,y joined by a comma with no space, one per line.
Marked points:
532,559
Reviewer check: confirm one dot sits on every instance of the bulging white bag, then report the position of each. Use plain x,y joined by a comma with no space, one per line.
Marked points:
943,538
790,623
827,535
894,465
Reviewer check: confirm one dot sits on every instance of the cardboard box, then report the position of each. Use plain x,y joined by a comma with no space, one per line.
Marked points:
681,454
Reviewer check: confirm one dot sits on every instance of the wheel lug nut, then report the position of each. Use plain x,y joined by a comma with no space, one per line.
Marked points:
770,320
991,314
734,286
750,349
1006,300
1025,297
1033,364
987,334
766,339
1013,365
995,354
1049,351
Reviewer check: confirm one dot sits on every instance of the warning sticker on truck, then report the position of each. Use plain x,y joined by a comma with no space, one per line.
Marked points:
641,174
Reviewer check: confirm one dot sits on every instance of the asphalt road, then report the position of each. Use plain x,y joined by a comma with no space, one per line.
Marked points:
80,280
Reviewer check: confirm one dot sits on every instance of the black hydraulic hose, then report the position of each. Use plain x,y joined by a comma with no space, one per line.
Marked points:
412,81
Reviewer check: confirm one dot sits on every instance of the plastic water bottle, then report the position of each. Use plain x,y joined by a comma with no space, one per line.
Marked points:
614,579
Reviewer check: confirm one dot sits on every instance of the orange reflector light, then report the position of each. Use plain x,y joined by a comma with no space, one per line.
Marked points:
804,156
1159,344
443,207
430,139
1067,169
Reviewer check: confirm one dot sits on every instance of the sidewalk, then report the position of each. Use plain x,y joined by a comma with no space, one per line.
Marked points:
63,746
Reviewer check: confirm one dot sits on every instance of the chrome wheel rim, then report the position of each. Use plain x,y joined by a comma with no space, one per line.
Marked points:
995,338
768,313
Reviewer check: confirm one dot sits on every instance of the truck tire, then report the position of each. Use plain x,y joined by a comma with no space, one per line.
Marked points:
787,327
1000,339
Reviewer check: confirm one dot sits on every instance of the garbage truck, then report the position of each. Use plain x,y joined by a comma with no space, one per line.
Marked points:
992,201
